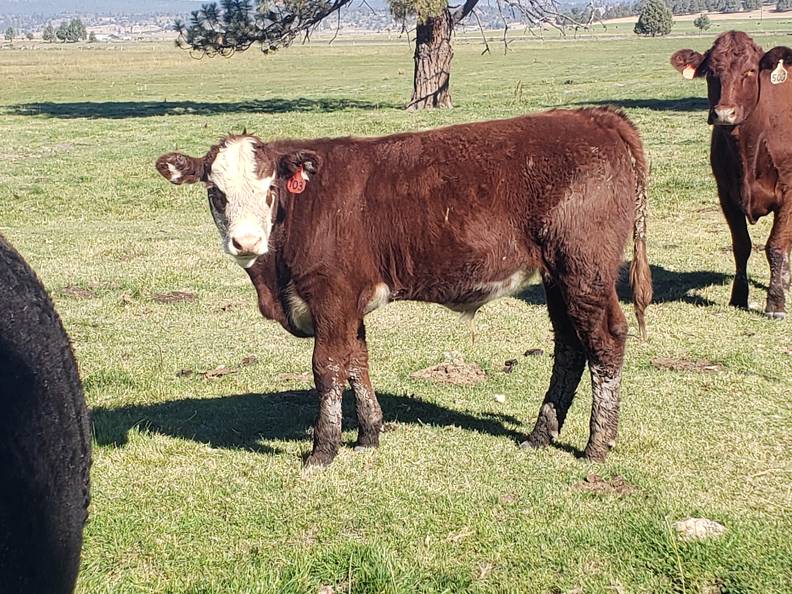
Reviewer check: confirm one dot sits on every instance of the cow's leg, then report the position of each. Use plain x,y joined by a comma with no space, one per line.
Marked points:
602,329
777,251
369,413
741,248
569,360
334,344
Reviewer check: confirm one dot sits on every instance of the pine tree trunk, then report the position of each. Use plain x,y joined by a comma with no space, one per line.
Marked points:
433,54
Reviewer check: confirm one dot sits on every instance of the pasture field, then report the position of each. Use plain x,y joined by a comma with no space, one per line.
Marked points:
198,484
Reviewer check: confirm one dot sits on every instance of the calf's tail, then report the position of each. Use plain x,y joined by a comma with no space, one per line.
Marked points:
640,274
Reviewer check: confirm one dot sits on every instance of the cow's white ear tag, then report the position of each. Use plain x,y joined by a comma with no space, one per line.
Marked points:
689,72
779,75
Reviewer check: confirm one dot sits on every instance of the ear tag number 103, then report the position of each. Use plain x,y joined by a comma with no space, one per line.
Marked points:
296,183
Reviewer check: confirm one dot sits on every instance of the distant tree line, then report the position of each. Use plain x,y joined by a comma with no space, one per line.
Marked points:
67,32
678,7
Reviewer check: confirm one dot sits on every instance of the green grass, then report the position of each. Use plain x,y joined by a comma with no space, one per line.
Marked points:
197,484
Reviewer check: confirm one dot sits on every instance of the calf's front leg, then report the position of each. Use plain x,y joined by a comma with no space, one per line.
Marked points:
741,248
340,356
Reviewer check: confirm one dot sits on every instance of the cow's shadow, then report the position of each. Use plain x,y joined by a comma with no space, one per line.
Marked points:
671,104
242,421
144,109
668,286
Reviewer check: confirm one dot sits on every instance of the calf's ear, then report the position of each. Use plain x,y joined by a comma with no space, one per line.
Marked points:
290,163
688,62
771,59
181,169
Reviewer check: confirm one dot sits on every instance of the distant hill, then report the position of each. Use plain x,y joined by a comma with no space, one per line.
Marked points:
55,7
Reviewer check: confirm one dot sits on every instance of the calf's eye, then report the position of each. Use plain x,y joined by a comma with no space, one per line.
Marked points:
218,200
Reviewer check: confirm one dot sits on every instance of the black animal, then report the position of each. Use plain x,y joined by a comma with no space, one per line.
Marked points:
44,439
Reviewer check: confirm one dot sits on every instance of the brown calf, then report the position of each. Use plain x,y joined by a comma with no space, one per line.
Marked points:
751,108
330,229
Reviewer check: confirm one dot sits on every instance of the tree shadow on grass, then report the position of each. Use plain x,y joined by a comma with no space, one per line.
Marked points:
144,109
673,104
240,421
668,286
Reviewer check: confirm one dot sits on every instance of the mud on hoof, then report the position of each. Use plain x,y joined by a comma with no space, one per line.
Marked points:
596,453
537,440
367,441
319,459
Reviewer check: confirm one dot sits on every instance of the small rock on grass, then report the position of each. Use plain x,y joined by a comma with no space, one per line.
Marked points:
500,398
698,529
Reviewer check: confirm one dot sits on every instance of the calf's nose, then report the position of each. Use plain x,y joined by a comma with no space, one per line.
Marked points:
247,245
726,113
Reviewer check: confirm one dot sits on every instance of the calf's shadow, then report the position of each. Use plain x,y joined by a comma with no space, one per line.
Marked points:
668,286
242,421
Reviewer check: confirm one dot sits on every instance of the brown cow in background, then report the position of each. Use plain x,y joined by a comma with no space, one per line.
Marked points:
330,229
750,98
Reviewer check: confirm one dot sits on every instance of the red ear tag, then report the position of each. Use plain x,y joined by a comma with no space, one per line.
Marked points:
296,183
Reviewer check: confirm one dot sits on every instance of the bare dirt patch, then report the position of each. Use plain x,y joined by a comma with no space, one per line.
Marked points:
675,364
594,483
453,370
78,292
174,297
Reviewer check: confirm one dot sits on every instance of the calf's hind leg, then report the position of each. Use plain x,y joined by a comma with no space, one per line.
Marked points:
369,413
569,360
777,250
602,329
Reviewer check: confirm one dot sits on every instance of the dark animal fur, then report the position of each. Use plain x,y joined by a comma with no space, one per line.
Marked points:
44,439
751,157
437,216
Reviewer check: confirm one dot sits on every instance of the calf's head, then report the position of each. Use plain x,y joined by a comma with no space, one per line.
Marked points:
243,178
732,67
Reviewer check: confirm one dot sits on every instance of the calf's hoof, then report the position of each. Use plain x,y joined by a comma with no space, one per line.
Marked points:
319,459
597,452
775,315
367,441
536,441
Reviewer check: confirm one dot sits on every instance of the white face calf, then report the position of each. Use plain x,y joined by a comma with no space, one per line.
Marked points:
240,176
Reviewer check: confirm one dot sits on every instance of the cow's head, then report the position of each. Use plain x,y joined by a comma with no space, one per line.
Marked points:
243,177
732,67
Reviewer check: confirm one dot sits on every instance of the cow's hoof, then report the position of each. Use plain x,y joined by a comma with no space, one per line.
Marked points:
593,454
360,448
367,442
534,443
318,460
775,315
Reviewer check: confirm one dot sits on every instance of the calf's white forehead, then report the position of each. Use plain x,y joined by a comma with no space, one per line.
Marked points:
234,169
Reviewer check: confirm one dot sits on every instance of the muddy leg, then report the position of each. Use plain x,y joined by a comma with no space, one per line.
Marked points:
369,413
569,360
335,344
604,338
777,251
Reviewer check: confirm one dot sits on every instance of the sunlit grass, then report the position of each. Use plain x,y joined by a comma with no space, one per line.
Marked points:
197,484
